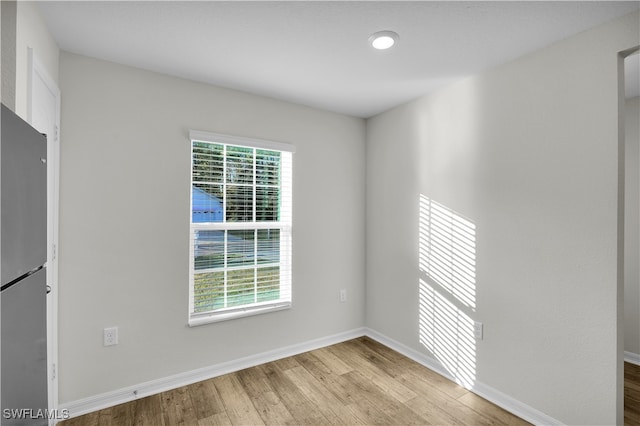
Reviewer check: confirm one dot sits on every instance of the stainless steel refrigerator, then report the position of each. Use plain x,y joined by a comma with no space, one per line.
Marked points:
23,248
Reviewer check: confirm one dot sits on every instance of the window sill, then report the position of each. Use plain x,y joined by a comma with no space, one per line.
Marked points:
208,318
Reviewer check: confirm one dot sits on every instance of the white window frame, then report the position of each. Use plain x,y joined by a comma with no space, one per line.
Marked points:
284,225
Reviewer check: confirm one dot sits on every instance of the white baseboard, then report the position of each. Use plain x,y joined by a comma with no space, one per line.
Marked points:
632,358
500,399
119,396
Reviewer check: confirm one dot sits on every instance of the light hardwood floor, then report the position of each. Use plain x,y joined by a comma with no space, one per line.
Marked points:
631,394
356,382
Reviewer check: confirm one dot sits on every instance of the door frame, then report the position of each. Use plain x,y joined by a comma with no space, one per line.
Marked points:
35,70
620,358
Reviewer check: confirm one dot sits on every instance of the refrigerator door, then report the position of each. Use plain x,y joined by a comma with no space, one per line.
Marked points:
24,351
23,182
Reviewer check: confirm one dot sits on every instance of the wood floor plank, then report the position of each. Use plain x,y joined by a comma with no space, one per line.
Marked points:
205,399
632,398
344,390
335,364
331,407
177,407
325,375
300,407
632,371
405,364
432,402
355,382
106,417
90,419
375,357
237,403
265,399
495,414
434,414
631,394
123,414
146,411
372,372
220,419
388,404
286,363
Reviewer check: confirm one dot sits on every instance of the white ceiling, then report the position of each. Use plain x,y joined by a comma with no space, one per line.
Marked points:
317,53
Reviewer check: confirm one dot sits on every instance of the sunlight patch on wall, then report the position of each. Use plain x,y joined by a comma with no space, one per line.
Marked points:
448,333
447,250
447,288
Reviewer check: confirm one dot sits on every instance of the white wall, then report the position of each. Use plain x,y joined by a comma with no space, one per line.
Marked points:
632,232
124,224
8,13
528,152
31,32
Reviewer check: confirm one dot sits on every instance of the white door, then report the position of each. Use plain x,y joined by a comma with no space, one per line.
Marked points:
43,112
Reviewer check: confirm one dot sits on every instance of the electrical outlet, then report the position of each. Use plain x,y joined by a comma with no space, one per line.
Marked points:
343,295
110,336
478,330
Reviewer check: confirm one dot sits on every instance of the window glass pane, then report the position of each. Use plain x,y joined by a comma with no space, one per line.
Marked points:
267,167
233,265
240,248
268,246
208,291
206,203
208,249
268,284
207,162
240,287
239,165
239,203
267,202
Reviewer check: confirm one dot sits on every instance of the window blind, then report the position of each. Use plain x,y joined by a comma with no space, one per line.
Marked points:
240,234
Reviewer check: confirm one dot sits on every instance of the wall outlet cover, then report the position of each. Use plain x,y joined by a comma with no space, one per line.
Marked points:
110,336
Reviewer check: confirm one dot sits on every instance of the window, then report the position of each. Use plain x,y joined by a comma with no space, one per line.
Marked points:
240,235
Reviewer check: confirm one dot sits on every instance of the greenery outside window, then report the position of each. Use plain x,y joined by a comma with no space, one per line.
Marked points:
240,234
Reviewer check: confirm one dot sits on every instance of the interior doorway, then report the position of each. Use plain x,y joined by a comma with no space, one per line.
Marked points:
630,268
43,113
632,210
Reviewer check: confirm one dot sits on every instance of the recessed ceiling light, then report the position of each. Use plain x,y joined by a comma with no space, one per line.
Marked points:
383,39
